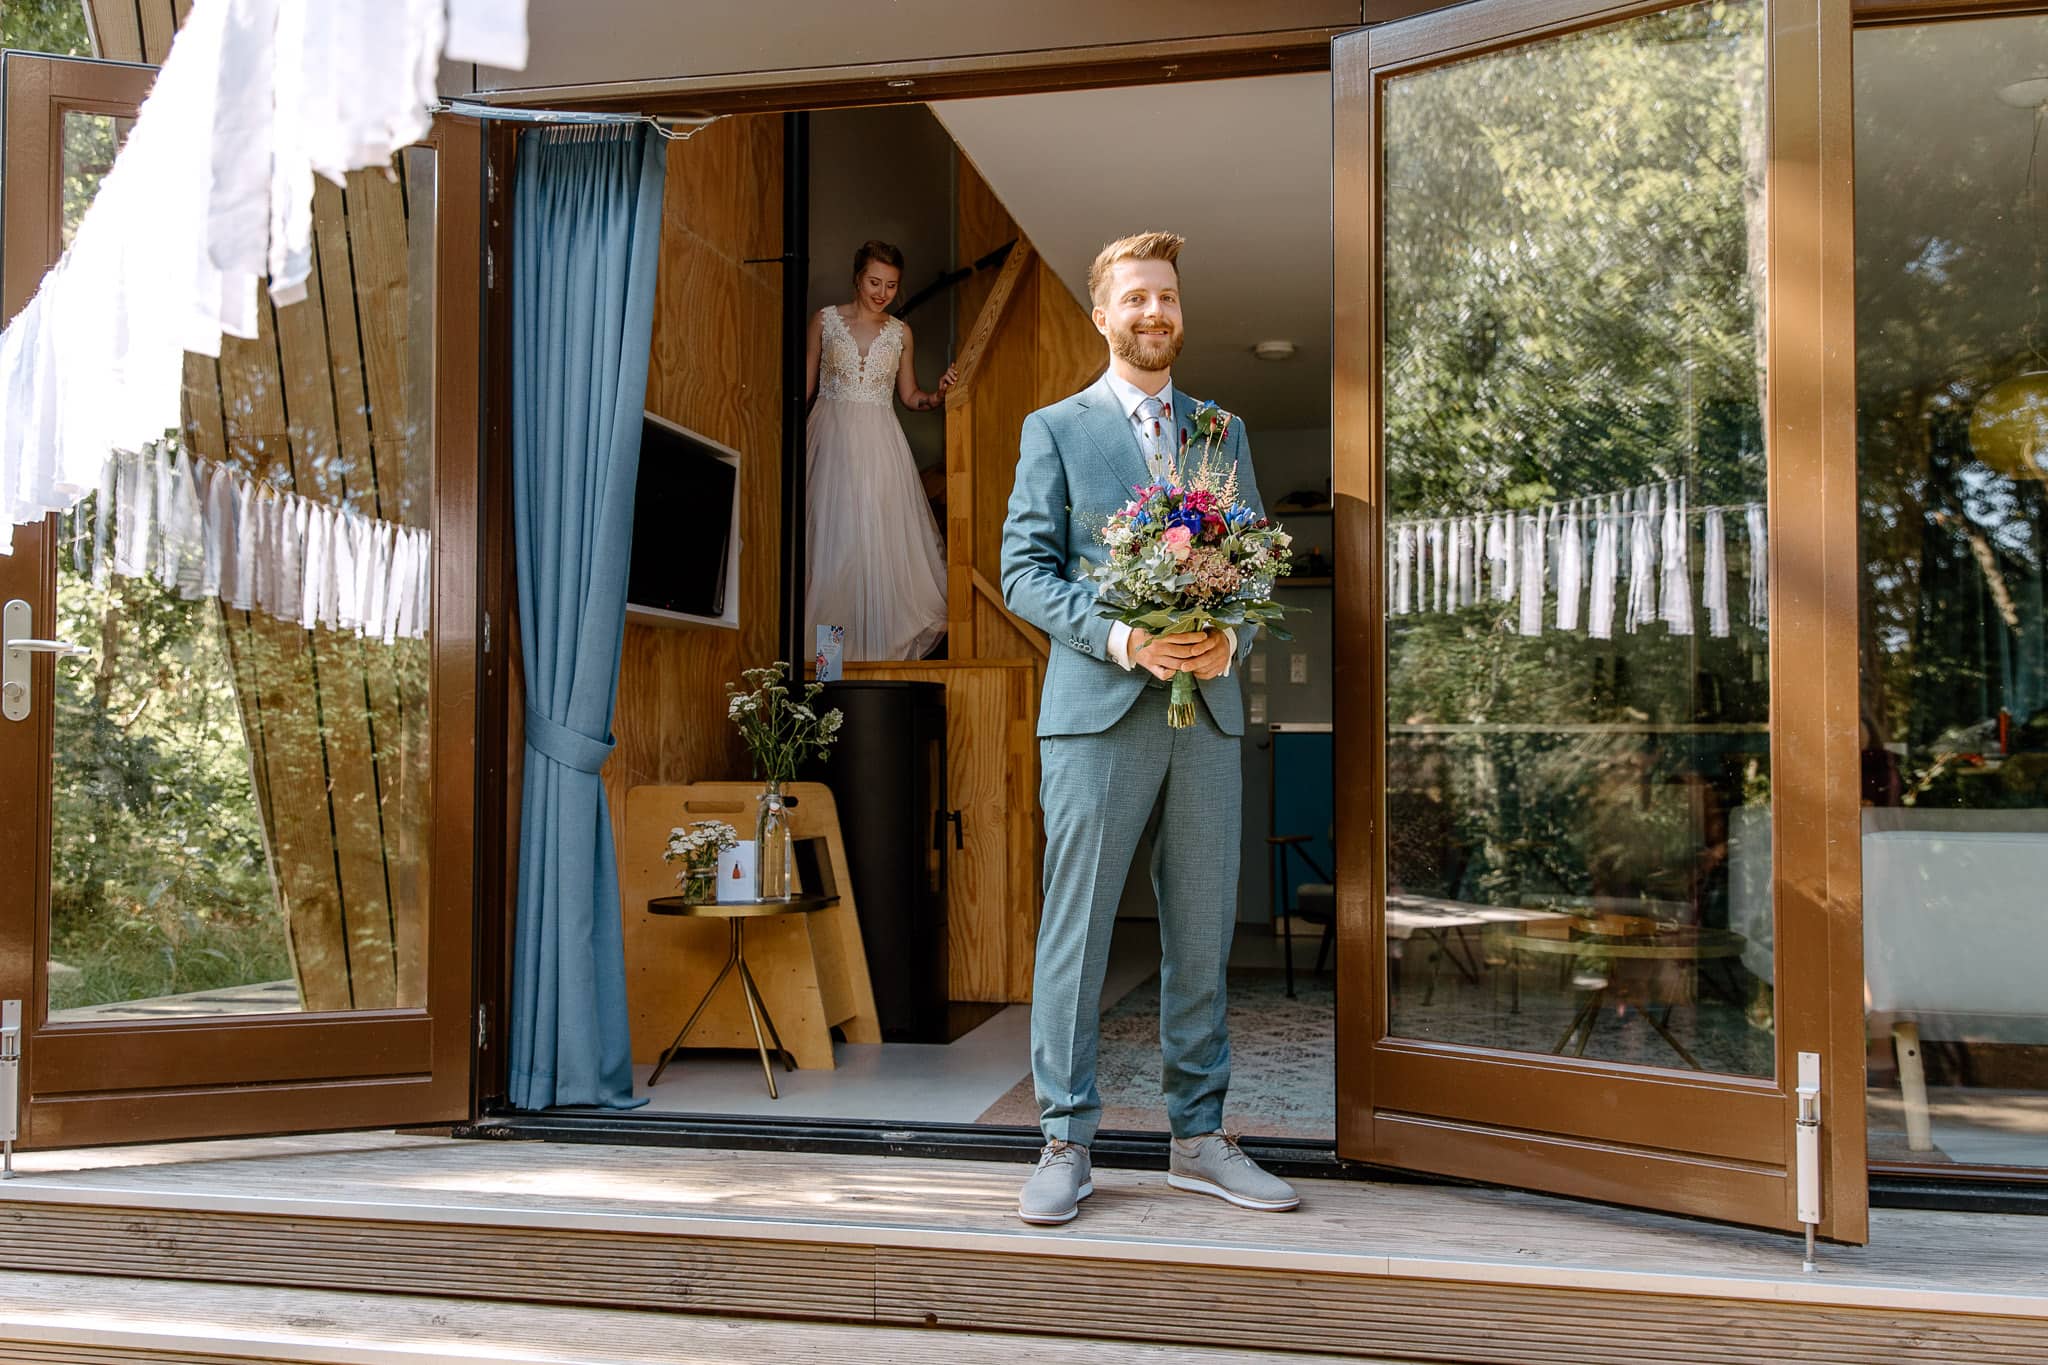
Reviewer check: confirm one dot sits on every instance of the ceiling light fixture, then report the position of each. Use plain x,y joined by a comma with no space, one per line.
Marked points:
1275,350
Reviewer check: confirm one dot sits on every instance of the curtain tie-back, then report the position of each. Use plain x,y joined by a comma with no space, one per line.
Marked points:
570,748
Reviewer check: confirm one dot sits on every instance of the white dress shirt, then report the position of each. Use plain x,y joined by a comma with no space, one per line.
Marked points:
1157,447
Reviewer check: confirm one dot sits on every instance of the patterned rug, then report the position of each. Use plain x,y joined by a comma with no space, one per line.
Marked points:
1282,1059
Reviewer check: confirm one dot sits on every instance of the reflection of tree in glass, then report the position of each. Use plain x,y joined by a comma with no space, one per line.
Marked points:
1573,283
1572,272
1955,628
90,142
158,884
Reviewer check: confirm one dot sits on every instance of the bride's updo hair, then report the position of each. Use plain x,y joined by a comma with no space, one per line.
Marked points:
871,251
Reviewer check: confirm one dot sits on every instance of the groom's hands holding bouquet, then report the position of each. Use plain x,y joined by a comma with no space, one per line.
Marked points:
1204,653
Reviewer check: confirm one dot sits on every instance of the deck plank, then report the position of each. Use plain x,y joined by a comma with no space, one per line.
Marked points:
1425,1231
157,1321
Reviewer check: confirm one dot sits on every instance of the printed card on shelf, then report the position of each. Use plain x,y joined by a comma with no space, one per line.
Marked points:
736,872
831,648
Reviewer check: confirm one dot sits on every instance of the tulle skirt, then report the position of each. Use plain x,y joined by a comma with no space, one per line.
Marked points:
875,563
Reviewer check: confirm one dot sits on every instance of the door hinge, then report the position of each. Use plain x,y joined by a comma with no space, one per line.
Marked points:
487,632
10,1084
483,1026
491,181
1806,1148
490,268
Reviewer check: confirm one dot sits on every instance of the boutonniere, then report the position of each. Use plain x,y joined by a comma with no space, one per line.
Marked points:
1213,422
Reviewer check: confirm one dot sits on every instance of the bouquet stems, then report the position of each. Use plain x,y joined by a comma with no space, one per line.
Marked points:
1180,706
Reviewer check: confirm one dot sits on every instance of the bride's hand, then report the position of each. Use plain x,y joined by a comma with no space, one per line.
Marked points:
948,379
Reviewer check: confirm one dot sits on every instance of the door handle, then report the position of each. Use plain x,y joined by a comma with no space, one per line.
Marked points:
18,643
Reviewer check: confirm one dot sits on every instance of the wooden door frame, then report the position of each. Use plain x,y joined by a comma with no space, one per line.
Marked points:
1716,1147
90,1083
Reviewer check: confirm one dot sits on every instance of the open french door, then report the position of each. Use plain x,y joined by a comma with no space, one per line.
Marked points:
1596,660
236,864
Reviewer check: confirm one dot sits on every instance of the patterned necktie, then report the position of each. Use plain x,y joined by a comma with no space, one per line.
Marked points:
1152,415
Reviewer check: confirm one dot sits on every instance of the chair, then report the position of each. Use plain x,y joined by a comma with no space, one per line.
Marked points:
1315,902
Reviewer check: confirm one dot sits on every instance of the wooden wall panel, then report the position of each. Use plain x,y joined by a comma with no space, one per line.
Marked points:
134,30
1071,353
1005,393
983,225
715,367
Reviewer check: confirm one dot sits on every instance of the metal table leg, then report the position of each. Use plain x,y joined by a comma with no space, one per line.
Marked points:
757,1011
732,959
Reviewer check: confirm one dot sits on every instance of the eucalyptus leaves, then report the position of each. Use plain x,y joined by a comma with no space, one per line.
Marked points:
780,732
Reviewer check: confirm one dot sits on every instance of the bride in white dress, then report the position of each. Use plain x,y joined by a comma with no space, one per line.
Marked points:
875,565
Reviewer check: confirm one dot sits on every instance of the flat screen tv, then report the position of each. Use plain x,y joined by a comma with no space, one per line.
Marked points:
686,544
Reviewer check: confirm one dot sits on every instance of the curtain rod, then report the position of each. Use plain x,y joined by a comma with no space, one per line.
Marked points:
674,127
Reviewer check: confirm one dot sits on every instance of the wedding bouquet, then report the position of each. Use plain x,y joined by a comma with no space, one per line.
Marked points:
1186,555
697,847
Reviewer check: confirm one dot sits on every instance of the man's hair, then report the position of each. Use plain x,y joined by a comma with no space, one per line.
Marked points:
1145,246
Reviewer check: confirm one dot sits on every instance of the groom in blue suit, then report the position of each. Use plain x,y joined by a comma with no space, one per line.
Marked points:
1111,764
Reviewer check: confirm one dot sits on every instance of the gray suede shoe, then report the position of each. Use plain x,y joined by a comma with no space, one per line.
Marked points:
1055,1190
1214,1164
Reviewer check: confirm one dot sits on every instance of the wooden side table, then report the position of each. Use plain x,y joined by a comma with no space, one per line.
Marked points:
736,914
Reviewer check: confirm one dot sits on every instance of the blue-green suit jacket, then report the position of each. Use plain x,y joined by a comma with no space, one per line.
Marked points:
1077,462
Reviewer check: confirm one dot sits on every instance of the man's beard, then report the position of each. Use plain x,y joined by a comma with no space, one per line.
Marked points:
1152,352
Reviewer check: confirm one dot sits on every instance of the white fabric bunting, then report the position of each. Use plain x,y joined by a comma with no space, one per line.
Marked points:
212,189
205,530
1628,554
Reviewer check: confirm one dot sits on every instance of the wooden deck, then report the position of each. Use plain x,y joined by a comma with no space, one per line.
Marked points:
1405,1272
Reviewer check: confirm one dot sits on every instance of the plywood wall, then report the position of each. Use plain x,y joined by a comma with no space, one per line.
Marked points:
716,369
1041,350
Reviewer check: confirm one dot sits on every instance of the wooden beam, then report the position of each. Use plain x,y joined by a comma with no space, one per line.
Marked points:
1033,636
992,312
960,641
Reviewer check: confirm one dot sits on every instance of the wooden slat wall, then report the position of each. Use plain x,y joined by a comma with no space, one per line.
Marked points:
318,403
716,370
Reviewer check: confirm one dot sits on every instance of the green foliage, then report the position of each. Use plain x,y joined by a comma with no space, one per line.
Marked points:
159,883
1573,268
54,26
780,733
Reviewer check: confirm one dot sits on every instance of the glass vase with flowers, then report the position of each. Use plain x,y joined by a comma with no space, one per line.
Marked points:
780,732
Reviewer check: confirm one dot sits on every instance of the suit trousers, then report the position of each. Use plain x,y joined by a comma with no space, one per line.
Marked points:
1100,793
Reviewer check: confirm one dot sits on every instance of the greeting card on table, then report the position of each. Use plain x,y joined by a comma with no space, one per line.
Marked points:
736,872
831,649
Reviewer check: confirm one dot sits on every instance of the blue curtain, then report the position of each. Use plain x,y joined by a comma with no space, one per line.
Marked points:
586,233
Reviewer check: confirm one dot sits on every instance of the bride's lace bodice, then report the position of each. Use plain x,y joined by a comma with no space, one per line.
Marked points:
842,372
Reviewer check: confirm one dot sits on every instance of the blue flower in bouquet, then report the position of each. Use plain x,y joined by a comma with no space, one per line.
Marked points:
1185,516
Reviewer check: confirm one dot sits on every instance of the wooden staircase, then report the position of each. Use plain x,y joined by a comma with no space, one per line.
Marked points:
374,1248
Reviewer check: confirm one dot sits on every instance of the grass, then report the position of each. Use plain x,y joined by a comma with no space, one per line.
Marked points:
140,954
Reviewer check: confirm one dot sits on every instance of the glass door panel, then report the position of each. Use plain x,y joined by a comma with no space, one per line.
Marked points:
236,847
1578,683
238,806
1952,415
1598,603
